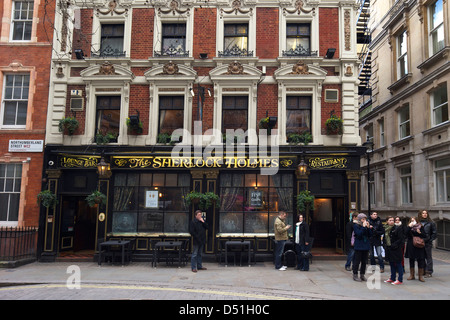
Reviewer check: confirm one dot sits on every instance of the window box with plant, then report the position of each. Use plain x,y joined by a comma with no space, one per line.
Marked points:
296,138
47,198
68,125
95,198
101,138
334,125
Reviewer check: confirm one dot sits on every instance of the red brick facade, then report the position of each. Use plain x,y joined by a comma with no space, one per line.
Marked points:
28,58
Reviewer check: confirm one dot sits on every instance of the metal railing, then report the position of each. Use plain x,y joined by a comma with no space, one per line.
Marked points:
17,243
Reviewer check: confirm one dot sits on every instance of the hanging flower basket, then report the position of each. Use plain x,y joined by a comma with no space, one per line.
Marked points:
305,200
47,199
334,125
134,129
203,200
96,198
68,125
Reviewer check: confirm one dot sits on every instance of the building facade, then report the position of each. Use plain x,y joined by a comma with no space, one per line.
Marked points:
208,76
25,54
407,116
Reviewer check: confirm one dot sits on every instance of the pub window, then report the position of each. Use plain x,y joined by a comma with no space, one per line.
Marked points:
171,114
15,101
22,20
150,202
108,116
250,202
173,39
112,40
298,114
298,38
10,182
234,113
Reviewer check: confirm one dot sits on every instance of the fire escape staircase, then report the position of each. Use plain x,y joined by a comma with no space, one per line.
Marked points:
363,37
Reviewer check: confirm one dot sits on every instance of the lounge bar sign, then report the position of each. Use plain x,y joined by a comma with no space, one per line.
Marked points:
78,162
193,162
327,163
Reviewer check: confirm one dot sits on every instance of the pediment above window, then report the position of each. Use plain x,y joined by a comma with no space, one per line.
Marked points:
235,70
169,71
300,70
107,71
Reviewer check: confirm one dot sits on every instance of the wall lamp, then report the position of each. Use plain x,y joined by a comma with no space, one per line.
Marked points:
330,53
79,54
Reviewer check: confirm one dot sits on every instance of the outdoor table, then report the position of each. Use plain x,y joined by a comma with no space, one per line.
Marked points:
109,244
173,246
237,243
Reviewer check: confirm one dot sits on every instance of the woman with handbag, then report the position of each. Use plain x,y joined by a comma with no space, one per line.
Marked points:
415,248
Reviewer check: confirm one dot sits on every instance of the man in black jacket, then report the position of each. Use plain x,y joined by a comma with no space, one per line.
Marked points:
375,241
197,229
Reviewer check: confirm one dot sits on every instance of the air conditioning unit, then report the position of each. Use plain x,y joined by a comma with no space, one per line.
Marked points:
331,95
76,104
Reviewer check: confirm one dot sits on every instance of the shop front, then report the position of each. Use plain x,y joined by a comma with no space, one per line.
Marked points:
147,196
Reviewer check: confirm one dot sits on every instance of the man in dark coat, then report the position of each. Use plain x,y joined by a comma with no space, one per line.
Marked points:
394,240
197,229
375,240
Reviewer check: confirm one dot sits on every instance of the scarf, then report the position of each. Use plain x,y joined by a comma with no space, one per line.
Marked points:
387,230
297,232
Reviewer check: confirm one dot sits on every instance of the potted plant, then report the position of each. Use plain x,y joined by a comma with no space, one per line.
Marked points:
133,127
193,197
305,200
164,138
68,125
47,198
267,123
334,125
208,199
295,138
101,138
95,198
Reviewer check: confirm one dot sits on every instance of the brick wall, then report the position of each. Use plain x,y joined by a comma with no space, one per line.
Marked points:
328,30
82,38
140,101
328,107
267,34
142,33
204,32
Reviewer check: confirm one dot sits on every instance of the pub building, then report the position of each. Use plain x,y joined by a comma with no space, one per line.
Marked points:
129,106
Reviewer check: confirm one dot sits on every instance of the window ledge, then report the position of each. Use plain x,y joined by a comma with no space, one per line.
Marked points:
437,128
402,141
435,58
399,83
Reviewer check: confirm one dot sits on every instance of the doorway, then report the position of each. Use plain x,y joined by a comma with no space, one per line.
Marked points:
326,223
77,225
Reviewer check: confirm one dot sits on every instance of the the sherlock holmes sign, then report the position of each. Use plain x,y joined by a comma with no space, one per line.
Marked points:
193,162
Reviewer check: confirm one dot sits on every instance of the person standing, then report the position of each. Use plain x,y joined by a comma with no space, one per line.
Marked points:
302,242
281,236
362,246
414,253
350,240
394,240
197,229
430,229
375,240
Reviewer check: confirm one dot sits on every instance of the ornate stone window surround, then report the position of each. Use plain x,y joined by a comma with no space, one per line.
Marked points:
170,79
173,17
307,84
112,18
310,18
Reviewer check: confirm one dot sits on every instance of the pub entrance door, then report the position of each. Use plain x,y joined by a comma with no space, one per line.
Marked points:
77,224
327,223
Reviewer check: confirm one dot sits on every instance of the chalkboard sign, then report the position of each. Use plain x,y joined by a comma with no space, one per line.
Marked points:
256,198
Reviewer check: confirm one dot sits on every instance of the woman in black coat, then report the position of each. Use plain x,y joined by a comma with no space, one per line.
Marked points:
394,240
415,229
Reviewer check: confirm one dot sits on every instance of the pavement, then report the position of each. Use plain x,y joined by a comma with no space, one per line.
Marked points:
326,280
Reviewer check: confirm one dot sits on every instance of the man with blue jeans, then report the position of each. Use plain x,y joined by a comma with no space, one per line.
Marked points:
197,229
281,235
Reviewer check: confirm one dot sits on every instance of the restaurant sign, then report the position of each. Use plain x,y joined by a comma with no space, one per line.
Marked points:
78,162
328,163
195,162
